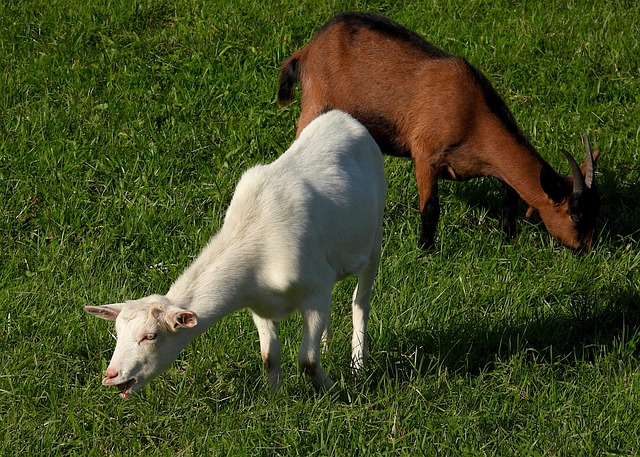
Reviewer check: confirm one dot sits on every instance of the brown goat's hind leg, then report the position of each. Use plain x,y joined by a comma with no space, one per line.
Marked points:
509,211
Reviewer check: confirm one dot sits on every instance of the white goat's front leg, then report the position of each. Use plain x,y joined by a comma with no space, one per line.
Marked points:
327,334
270,350
316,320
360,308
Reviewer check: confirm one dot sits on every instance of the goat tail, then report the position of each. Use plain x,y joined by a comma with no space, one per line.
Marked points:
287,79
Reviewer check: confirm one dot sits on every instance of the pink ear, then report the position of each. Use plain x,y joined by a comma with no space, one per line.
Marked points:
182,319
107,312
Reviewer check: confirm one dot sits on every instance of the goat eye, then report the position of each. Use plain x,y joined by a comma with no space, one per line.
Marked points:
149,337
575,216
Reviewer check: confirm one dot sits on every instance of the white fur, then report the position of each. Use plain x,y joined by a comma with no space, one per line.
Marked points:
293,229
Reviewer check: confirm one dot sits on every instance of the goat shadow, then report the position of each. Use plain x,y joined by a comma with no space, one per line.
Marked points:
619,204
469,347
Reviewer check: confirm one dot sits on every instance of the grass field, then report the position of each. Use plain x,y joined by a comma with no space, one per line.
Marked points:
124,126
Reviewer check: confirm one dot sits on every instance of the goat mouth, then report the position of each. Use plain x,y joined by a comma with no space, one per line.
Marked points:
126,388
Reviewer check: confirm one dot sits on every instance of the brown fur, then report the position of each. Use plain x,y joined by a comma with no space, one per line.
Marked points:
436,108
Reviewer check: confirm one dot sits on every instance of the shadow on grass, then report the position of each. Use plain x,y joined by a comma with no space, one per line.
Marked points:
472,347
619,210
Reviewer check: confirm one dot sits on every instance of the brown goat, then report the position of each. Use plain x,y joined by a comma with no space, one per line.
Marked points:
420,102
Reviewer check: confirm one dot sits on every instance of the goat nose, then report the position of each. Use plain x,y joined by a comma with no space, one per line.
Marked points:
111,373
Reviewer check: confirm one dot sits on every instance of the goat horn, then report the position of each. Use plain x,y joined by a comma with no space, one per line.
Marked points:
589,171
576,173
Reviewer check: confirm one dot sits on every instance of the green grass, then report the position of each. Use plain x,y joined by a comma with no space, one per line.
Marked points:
124,126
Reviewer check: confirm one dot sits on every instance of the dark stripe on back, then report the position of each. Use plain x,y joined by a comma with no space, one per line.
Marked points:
387,27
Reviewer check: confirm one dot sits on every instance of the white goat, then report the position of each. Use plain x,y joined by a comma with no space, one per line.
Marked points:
293,229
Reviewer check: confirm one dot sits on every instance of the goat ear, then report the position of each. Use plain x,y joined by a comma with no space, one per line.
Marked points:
106,312
553,184
181,319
